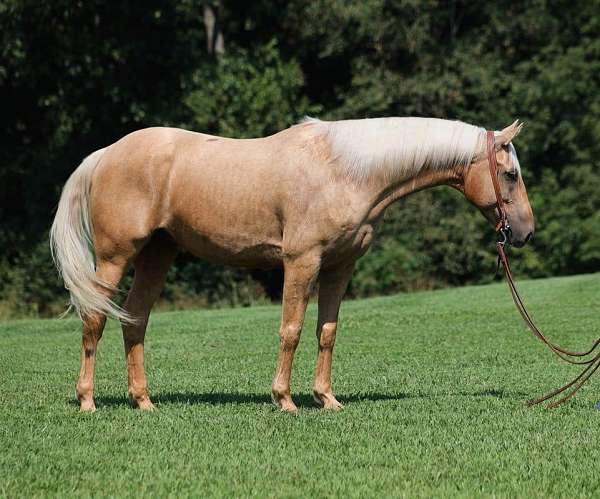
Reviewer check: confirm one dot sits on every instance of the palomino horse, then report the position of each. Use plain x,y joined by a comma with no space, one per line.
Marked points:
308,198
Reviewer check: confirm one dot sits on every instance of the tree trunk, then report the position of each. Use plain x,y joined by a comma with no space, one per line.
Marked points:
215,43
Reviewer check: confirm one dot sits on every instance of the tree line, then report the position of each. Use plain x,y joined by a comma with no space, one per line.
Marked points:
76,76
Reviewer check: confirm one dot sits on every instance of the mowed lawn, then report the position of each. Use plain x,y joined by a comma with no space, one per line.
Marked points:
434,386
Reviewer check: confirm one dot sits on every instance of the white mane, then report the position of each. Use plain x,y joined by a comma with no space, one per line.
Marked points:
398,148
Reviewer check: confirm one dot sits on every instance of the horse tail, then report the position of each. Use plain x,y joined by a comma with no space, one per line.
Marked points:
73,248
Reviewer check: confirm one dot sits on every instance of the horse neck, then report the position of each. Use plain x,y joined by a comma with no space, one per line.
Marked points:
387,192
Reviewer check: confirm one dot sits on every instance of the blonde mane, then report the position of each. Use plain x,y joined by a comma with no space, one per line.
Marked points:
396,148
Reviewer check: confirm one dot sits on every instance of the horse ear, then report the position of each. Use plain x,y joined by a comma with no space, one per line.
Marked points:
508,134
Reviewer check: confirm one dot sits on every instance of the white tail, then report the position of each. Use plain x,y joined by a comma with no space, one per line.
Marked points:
72,246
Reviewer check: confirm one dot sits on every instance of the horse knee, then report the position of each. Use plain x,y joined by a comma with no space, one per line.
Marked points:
327,335
290,336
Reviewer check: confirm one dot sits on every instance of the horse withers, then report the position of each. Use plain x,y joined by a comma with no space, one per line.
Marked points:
307,199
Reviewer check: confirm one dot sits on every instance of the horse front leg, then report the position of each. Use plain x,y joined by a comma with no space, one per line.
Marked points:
332,286
300,275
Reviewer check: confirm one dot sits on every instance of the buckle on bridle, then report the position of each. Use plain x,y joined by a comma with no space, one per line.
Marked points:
504,235
503,241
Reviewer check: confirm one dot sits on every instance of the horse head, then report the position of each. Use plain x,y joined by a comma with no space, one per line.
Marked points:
478,186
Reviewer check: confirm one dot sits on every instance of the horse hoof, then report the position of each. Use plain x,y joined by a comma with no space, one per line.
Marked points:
87,406
146,405
333,405
143,404
328,402
289,407
285,404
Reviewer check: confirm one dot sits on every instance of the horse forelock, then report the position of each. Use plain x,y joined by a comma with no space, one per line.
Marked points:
513,157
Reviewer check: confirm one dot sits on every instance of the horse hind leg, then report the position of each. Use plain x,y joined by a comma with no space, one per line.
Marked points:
151,267
110,272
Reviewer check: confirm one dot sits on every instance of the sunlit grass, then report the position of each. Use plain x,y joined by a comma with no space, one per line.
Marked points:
434,386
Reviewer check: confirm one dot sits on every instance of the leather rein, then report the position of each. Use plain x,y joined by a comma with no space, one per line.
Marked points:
504,238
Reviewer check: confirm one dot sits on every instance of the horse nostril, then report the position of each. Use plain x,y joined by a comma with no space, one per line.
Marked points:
528,237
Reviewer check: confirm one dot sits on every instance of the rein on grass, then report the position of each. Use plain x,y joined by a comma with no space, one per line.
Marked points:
504,236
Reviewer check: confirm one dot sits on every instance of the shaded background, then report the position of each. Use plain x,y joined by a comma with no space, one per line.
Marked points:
76,76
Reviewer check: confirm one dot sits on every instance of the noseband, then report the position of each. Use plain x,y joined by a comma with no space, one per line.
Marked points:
504,235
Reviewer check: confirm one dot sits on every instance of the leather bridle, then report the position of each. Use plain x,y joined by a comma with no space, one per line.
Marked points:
502,226
504,238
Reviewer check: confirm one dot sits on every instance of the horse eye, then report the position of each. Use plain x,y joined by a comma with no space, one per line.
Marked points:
512,175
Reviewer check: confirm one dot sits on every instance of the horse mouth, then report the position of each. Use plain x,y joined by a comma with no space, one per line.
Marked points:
520,241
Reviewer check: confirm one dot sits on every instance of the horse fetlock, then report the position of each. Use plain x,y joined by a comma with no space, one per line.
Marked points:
283,401
321,393
280,391
282,398
326,399
85,396
143,404
139,398
137,393
84,390
87,406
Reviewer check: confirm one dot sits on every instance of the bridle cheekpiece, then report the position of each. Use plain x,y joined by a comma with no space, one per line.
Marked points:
502,226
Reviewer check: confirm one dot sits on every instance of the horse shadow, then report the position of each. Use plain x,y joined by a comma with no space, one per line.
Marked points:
235,398
301,400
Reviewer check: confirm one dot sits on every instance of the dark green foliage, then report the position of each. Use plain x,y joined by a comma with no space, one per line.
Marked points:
428,240
30,285
77,76
248,94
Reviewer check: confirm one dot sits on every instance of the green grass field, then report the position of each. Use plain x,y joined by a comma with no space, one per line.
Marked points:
434,386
